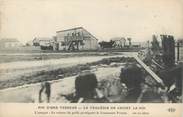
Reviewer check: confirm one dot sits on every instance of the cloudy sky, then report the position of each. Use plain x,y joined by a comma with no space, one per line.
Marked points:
138,19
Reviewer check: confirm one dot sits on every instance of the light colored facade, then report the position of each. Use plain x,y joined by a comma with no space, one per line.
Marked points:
136,44
9,43
180,42
43,41
120,42
76,39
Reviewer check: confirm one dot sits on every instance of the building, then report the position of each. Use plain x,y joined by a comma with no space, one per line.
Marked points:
179,50
35,42
119,42
136,44
44,42
180,41
29,43
9,43
75,39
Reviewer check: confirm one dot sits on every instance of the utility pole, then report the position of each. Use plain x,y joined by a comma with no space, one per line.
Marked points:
178,45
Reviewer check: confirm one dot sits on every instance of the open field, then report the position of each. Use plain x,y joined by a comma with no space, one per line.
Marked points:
31,53
36,54
14,57
25,72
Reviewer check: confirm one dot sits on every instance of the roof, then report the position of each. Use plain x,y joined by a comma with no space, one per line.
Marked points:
180,40
118,38
90,34
137,43
8,40
76,28
70,29
43,38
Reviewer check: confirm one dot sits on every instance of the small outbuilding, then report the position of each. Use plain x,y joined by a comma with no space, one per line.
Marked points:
9,43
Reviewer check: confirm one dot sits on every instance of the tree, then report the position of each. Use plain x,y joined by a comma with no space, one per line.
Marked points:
155,44
130,43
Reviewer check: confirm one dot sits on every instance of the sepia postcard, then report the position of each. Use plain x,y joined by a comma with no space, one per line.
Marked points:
88,58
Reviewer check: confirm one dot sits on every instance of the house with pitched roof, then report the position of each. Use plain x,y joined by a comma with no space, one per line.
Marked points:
75,39
9,43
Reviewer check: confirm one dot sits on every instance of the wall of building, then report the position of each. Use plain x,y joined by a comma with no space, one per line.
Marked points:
89,41
10,44
60,35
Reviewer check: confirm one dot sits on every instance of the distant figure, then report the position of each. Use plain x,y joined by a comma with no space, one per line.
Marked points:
46,87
